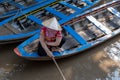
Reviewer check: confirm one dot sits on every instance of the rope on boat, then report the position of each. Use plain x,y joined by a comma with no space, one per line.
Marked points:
59,68
37,10
18,11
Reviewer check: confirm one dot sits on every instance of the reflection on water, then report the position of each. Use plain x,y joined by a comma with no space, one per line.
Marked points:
10,69
112,76
3,74
113,51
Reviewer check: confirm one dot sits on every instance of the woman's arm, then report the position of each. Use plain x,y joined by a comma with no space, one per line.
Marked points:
56,43
43,44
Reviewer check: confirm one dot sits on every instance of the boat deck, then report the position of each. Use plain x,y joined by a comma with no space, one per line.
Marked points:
5,31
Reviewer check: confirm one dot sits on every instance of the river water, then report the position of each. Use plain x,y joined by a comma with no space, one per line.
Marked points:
98,63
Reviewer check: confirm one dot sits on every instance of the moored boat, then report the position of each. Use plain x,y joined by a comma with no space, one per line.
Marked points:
83,32
10,8
28,22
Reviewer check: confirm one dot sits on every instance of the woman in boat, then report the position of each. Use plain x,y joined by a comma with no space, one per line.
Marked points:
50,37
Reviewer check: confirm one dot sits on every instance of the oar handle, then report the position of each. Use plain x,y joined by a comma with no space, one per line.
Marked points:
59,68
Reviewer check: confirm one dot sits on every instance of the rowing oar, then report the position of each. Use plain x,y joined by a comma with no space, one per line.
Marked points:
59,68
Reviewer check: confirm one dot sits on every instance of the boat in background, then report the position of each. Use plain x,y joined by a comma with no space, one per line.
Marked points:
28,22
83,32
10,8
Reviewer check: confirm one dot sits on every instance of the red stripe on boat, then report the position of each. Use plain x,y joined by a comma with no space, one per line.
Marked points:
17,52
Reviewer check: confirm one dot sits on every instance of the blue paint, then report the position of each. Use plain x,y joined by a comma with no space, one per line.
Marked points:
35,19
16,4
75,35
78,49
31,17
55,12
87,1
16,36
21,47
70,6
77,13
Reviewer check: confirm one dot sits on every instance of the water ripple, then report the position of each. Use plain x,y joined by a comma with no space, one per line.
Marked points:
113,51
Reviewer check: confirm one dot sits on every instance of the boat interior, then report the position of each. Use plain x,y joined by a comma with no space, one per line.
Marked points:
87,29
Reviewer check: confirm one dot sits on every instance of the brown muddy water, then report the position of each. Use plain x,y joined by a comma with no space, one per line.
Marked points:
101,62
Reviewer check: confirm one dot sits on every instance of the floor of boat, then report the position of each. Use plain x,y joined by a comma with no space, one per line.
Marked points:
8,30
5,31
90,33
87,30
111,25
70,43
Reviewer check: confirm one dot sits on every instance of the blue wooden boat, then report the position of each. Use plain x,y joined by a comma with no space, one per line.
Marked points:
10,8
82,32
28,22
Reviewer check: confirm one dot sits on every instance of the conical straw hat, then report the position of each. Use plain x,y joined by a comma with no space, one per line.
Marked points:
52,23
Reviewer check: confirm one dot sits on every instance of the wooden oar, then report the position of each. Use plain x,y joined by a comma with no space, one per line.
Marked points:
58,68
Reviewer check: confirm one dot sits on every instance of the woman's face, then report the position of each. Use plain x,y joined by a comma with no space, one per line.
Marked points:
50,32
